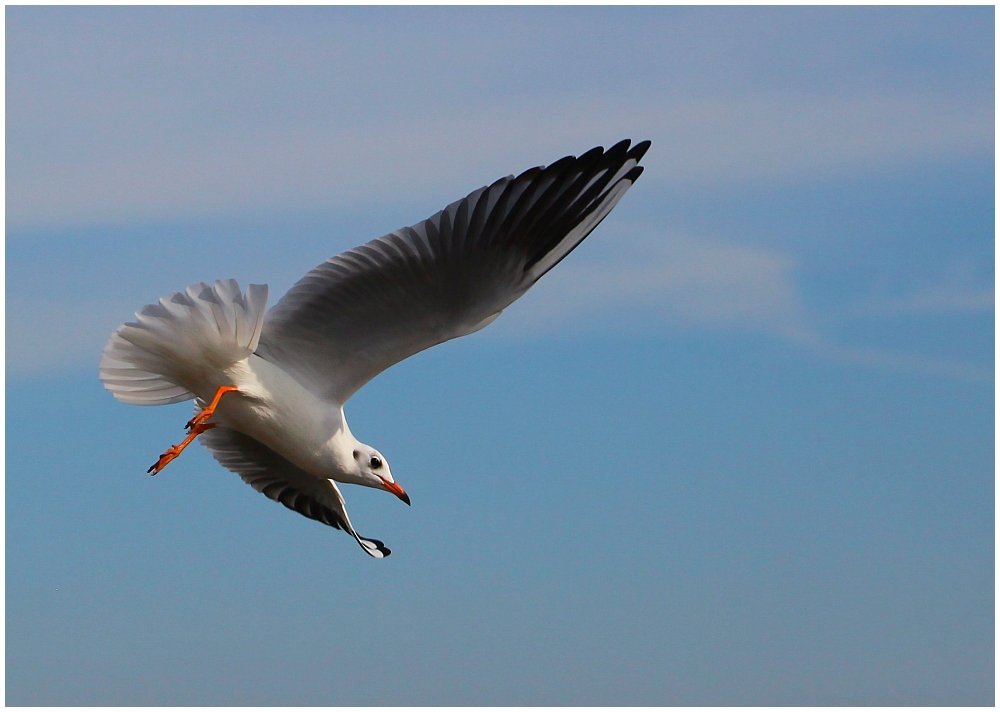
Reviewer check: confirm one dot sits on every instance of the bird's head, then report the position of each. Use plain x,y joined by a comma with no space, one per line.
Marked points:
373,471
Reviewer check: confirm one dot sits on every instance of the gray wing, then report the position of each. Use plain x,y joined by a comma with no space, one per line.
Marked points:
370,307
277,478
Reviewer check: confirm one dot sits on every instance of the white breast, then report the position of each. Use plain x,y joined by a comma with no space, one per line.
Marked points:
278,411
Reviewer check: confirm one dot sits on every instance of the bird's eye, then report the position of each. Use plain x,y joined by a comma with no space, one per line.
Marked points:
375,463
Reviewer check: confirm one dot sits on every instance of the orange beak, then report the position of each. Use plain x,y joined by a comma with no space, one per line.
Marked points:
396,490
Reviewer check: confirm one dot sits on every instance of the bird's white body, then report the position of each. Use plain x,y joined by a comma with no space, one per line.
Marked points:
279,420
275,409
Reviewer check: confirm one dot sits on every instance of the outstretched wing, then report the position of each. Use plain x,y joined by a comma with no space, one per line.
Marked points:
274,476
370,307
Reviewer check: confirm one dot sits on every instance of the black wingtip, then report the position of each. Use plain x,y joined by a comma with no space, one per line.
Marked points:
590,156
621,146
618,151
639,150
560,164
530,173
633,175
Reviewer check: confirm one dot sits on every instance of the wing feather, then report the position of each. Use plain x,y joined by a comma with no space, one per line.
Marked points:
278,479
368,308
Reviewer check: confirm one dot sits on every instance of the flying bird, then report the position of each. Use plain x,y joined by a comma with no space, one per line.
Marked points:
270,388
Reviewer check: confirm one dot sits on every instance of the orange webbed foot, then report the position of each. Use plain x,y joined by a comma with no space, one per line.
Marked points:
165,459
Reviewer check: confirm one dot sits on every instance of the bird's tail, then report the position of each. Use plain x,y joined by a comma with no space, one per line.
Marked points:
148,362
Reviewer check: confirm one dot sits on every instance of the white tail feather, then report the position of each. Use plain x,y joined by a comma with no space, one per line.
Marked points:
148,362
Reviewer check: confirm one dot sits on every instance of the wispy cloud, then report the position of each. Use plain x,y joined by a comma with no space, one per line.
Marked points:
934,301
137,115
920,365
666,283
958,289
663,284
695,141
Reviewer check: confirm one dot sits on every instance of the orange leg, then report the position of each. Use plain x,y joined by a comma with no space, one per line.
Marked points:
210,410
197,426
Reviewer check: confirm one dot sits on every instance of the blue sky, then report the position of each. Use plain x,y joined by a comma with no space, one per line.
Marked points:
737,449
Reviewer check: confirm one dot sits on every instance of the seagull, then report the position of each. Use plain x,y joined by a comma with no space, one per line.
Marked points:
270,389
